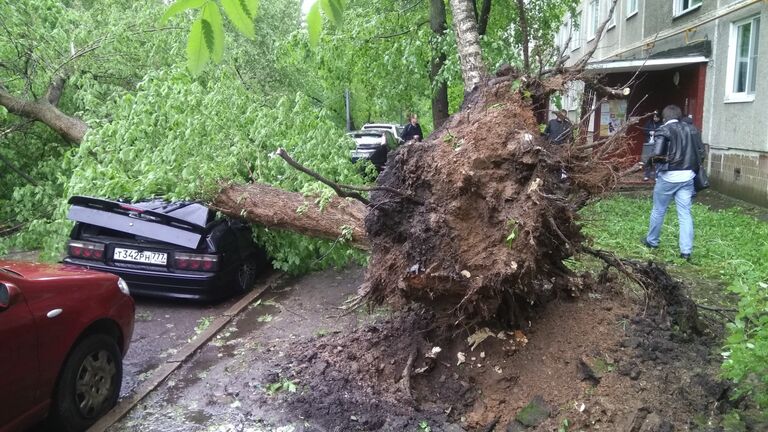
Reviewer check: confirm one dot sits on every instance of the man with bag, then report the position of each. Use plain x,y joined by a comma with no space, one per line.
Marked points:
678,152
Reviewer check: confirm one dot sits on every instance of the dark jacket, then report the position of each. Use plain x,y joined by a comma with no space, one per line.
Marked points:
651,126
559,131
411,131
677,147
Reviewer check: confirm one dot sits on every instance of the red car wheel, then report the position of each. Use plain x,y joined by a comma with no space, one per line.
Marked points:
89,384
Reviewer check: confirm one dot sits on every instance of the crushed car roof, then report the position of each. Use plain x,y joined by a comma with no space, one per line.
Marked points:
179,223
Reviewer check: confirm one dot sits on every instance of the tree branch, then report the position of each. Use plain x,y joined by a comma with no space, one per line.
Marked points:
70,128
21,173
336,188
393,35
582,62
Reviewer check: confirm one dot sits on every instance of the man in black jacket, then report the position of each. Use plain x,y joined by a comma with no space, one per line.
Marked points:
559,130
412,130
677,153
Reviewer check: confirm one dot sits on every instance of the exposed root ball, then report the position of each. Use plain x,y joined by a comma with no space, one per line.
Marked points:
496,222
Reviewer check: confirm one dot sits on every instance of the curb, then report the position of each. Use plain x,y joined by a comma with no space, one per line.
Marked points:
165,369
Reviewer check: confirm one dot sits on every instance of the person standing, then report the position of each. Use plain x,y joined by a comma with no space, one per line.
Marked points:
559,130
412,130
677,152
649,130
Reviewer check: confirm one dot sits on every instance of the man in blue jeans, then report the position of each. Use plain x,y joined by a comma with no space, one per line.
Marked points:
675,154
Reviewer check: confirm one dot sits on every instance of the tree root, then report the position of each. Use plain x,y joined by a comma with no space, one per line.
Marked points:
659,287
405,378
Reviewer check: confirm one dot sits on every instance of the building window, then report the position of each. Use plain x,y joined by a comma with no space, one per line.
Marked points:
593,16
631,8
564,35
684,6
576,31
742,60
606,6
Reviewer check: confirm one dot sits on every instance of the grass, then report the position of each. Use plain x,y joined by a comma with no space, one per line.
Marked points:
730,261
728,244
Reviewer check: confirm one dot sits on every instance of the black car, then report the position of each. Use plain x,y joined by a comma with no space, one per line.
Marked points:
162,249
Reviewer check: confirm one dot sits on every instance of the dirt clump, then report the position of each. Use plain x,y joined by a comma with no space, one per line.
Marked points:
485,218
602,361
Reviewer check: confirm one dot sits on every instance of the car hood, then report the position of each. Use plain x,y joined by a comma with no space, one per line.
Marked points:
44,271
182,224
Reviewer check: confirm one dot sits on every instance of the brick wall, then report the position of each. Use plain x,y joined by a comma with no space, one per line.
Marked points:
740,174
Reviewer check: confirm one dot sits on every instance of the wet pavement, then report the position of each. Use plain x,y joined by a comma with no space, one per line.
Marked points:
161,328
223,386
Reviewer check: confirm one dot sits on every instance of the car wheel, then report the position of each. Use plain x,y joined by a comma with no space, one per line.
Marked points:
89,384
246,275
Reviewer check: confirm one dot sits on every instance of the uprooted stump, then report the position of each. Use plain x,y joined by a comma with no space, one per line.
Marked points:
475,221
497,219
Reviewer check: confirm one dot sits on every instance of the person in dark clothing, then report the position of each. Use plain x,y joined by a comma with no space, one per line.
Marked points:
559,130
412,130
648,131
678,152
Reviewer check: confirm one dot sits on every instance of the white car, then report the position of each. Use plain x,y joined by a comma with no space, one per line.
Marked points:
395,129
374,145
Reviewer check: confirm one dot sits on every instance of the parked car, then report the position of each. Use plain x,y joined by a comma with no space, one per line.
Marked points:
64,332
374,145
162,249
395,129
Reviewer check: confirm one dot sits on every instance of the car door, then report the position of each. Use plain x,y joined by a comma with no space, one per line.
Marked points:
18,355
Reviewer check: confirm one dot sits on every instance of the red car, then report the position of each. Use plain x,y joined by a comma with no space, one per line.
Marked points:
63,333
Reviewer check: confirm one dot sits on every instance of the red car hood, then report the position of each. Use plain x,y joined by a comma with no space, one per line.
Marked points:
41,271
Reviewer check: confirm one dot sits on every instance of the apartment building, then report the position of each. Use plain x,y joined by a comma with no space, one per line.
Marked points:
702,55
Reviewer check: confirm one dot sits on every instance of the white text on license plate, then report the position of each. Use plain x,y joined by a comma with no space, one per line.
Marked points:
147,257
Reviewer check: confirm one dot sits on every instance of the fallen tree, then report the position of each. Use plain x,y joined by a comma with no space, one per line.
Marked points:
478,218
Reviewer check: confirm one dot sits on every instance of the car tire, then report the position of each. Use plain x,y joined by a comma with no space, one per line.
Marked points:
89,384
246,275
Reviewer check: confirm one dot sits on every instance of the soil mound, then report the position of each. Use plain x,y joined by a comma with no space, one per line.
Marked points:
485,219
599,361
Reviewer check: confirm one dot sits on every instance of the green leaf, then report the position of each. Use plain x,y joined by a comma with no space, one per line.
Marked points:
239,17
251,7
181,6
314,24
215,43
333,10
197,52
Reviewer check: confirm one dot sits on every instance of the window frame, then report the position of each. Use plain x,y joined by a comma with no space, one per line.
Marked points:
576,31
731,95
632,12
677,7
593,18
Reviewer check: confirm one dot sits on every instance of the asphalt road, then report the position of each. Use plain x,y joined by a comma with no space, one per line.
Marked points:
162,327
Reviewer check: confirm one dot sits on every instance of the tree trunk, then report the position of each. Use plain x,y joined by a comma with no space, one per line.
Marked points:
482,18
525,35
276,208
44,110
440,95
468,44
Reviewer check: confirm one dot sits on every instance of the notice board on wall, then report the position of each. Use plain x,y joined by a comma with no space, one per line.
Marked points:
613,115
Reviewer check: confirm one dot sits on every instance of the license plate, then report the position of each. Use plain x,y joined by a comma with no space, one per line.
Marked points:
361,154
147,257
